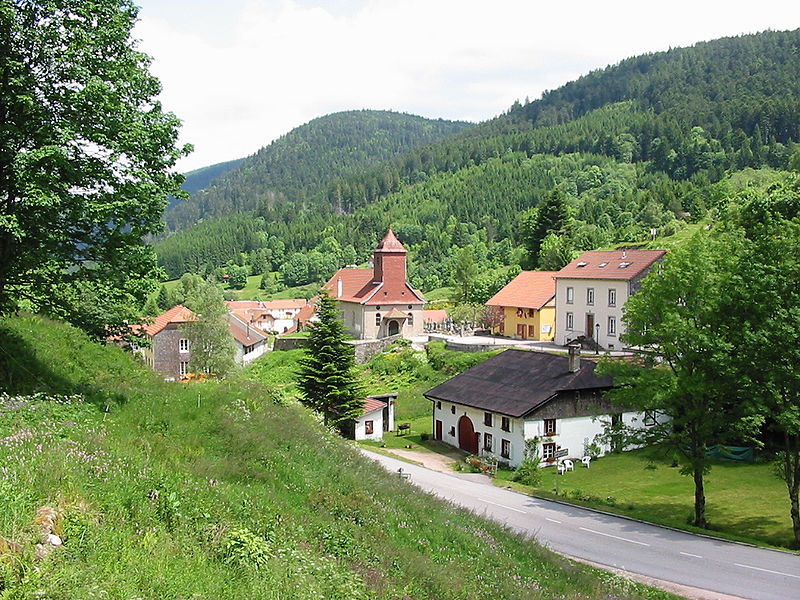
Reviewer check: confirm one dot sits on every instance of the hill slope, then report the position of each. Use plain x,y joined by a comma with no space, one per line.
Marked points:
214,491
633,147
302,162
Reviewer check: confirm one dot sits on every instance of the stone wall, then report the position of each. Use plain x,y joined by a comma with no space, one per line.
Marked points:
366,349
288,343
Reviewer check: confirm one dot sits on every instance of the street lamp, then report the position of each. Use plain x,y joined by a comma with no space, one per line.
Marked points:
597,339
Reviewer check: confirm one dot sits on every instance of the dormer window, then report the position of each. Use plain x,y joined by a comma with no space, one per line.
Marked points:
581,264
624,265
602,265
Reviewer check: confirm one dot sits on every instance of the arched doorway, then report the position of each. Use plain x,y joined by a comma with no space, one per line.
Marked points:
467,439
394,327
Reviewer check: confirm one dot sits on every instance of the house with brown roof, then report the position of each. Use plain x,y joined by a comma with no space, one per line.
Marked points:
268,315
379,302
528,305
591,293
495,407
250,342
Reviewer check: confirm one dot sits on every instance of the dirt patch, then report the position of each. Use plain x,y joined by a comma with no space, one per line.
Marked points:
430,460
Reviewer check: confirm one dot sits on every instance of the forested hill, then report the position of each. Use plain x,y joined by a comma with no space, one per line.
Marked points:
301,163
647,143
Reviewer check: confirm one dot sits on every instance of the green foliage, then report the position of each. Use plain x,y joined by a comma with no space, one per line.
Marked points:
211,344
85,165
529,471
452,362
327,378
316,529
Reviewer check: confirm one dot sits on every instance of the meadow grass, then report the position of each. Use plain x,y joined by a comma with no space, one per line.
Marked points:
743,501
212,490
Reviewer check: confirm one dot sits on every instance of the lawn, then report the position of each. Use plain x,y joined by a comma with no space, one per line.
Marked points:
744,501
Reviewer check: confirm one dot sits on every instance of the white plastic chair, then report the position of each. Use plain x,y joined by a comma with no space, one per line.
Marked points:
586,460
568,465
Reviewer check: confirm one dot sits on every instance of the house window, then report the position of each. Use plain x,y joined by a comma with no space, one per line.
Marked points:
183,345
439,404
570,321
410,319
452,432
453,409
368,427
505,424
650,418
488,442
377,319
505,449
549,426
570,295
590,296
183,367
487,419
612,325
548,451
612,297
531,331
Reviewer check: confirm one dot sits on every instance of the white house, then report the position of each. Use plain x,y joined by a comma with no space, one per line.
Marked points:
517,395
249,342
592,290
378,416
268,315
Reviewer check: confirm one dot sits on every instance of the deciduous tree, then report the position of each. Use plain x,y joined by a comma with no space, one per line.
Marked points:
86,153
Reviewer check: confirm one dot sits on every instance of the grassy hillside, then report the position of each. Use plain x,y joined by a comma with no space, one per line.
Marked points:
215,491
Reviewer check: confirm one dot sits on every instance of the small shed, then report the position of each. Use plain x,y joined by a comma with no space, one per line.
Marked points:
377,417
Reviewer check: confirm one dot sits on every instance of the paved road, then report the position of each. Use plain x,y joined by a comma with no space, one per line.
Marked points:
723,568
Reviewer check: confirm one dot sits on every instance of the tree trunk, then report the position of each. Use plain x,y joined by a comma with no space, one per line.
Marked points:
699,496
791,474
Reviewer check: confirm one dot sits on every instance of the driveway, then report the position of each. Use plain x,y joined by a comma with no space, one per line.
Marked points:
691,565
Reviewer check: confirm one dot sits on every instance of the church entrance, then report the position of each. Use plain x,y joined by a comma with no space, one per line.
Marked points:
394,327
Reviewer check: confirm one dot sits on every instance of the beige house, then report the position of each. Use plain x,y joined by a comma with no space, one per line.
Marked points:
528,305
592,290
379,302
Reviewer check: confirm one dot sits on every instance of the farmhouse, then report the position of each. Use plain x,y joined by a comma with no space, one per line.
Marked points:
379,302
269,315
591,293
494,407
528,305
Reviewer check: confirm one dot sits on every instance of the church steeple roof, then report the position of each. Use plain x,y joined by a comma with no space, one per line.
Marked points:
390,243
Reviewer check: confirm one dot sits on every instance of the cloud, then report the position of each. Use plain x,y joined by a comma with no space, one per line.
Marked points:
242,73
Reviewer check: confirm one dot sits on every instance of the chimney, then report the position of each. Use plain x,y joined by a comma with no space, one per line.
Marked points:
624,253
339,288
574,358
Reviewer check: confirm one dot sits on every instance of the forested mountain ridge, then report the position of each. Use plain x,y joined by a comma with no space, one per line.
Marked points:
630,148
299,164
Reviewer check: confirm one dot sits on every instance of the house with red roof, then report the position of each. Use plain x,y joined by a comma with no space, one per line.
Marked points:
528,305
379,302
170,349
268,315
591,293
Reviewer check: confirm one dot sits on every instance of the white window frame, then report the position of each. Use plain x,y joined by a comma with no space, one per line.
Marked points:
488,442
183,367
505,448
377,319
183,345
570,295
612,326
612,297
590,296
570,324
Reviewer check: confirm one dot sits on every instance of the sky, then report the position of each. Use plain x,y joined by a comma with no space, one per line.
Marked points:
241,73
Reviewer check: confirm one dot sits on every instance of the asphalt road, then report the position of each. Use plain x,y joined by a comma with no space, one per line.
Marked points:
720,567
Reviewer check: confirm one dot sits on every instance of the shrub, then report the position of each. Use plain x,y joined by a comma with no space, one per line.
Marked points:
244,548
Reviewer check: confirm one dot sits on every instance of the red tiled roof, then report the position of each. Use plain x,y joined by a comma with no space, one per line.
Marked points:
610,264
390,243
176,314
291,303
434,316
529,289
373,404
245,334
357,286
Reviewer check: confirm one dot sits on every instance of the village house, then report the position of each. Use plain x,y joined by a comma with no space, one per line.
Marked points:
528,306
591,293
493,408
268,315
170,349
379,302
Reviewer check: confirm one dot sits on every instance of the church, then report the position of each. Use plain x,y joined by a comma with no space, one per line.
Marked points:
379,302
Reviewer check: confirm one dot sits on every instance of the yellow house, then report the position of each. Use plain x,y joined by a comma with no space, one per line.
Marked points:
528,305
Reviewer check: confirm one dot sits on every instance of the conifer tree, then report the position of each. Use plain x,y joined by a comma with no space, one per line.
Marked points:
327,378
163,300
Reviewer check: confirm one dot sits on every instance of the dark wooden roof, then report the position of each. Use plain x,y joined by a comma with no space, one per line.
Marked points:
516,382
